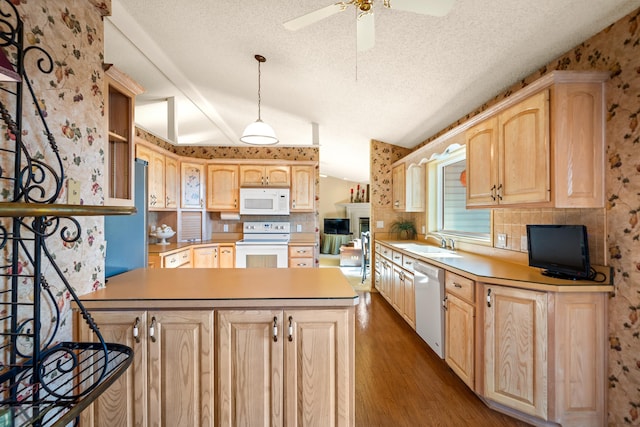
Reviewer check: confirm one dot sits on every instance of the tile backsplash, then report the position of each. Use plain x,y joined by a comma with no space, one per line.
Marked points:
512,222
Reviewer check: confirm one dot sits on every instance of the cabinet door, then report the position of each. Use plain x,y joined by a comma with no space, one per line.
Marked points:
277,176
181,366
398,187
515,346
386,280
172,182
124,403
397,297
250,368
252,176
482,163
524,152
409,312
459,338
415,189
192,183
319,368
222,188
205,257
302,188
226,256
156,180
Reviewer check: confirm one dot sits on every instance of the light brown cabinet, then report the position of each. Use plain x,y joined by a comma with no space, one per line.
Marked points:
226,255
398,177
546,150
223,188
291,367
192,184
119,100
171,380
206,256
303,189
163,178
408,187
265,176
516,349
459,347
301,256
508,156
177,259
395,281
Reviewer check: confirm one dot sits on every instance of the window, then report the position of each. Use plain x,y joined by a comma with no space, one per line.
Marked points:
448,184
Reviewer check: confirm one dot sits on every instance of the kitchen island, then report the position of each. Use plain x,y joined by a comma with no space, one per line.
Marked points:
228,347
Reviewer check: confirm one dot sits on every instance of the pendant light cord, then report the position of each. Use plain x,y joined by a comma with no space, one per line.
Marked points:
259,97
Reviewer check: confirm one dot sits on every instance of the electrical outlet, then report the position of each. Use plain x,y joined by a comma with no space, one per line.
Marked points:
424,230
502,241
73,192
299,228
379,224
523,244
225,228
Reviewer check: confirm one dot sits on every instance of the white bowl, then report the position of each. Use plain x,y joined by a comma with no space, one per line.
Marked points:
164,235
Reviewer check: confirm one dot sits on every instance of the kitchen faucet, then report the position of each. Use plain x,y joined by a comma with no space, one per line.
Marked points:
443,241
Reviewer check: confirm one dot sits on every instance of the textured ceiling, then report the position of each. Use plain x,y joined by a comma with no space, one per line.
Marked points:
422,74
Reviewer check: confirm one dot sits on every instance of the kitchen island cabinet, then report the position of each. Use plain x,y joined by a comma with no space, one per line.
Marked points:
306,376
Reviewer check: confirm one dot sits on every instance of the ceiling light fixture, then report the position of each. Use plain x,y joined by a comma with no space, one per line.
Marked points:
258,132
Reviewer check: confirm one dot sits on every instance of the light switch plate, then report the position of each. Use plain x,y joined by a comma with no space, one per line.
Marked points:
379,224
424,230
73,192
299,228
502,241
225,228
523,244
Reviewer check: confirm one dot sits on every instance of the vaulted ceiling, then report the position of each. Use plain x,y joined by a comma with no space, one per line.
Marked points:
422,74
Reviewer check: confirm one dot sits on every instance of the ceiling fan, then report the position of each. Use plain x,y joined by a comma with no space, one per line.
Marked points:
365,25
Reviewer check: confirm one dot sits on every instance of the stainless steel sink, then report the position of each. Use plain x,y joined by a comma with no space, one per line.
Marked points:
427,251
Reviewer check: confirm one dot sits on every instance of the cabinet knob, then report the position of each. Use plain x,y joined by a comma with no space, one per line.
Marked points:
152,329
275,329
444,302
136,332
290,338
488,297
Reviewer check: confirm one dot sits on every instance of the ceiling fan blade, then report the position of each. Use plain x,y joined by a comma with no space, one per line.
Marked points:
313,17
366,32
425,7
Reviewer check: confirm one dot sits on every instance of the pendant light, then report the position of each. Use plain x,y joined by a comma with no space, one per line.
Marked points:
258,132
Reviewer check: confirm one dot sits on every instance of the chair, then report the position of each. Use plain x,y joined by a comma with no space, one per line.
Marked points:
365,240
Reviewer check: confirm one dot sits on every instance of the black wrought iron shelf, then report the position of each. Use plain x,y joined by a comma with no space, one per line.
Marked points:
43,382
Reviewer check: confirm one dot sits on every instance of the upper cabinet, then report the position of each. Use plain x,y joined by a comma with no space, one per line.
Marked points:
192,182
302,189
119,101
408,188
223,191
163,178
265,176
546,149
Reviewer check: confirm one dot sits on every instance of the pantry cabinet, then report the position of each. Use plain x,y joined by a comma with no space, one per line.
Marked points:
171,380
223,188
303,188
545,149
459,346
192,180
265,176
299,362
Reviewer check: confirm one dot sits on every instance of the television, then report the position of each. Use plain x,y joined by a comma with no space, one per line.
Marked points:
336,226
560,250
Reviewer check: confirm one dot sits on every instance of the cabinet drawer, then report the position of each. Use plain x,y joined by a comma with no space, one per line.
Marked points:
396,257
177,259
300,251
384,251
460,286
300,262
408,262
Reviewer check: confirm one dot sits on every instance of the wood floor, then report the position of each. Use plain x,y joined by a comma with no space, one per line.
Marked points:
401,382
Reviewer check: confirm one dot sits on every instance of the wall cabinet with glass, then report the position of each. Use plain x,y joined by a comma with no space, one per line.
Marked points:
120,93
192,183
545,150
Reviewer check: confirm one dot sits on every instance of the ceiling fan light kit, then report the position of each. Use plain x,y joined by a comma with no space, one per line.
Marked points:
259,132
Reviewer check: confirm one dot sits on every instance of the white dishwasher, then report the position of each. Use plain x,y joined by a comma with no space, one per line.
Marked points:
429,290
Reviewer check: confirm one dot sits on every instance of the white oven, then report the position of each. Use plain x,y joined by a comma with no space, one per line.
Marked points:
264,244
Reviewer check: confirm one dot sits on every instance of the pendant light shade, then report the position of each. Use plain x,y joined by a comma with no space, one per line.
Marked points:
258,132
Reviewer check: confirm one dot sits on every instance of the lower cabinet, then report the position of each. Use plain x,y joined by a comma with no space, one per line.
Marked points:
170,382
206,256
226,255
459,346
300,256
285,368
394,279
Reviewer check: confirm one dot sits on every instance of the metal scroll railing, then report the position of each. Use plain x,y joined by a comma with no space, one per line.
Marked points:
42,381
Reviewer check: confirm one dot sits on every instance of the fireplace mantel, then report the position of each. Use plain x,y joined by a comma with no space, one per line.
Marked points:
355,211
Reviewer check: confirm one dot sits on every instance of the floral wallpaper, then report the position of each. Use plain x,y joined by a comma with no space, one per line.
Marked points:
615,49
71,99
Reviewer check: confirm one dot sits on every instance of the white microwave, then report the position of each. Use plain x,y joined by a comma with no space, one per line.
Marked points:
264,201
